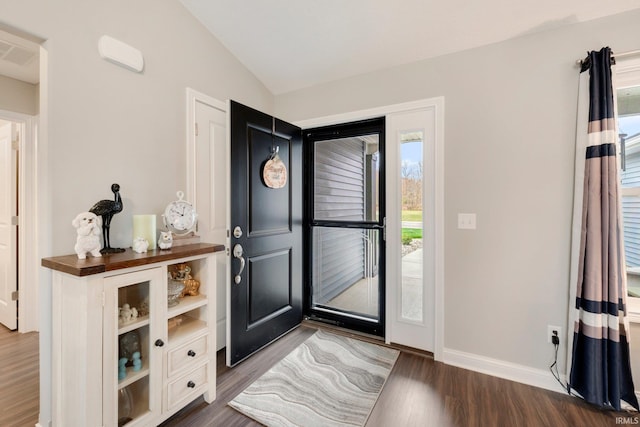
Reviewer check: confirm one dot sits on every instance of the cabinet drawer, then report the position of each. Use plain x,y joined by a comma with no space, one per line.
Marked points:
186,387
187,355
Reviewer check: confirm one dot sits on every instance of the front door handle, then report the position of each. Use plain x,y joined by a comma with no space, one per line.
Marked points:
237,253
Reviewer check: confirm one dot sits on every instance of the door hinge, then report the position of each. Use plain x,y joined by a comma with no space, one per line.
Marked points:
227,251
14,296
15,220
15,144
197,131
103,298
384,228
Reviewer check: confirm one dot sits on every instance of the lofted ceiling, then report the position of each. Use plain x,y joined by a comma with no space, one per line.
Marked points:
292,44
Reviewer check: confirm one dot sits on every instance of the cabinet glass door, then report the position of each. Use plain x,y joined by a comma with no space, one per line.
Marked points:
133,365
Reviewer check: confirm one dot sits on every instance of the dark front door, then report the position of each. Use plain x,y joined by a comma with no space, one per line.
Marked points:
266,231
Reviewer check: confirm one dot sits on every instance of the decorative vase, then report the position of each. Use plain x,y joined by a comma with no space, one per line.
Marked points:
125,406
174,289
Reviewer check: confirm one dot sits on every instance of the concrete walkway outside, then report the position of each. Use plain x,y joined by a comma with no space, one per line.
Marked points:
412,285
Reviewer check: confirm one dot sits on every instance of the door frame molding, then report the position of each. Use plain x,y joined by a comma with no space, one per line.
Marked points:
27,233
437,104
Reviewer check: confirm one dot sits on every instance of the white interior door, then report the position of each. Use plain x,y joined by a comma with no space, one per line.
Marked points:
8,231
411,222
210,182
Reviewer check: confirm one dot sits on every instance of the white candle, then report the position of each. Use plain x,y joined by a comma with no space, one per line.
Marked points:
145,226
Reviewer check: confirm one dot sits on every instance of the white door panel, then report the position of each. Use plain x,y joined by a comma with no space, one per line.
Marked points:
8,232
211,194
411,276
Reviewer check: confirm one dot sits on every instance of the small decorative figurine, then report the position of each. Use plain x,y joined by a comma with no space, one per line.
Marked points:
127,314
182,272
191,285
129,344
137,363
140,245
166,240
122,370
107,209
143,310
87,226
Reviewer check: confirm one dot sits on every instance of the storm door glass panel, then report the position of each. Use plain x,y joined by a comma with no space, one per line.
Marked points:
346,179
412,226
345,271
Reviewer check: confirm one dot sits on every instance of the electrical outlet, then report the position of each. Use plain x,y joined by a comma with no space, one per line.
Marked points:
550,332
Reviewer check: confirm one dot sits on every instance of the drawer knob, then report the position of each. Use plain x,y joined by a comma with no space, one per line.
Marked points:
159,343
191,353
191,384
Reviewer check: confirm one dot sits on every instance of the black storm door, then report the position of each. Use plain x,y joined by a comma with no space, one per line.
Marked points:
266,231
346,220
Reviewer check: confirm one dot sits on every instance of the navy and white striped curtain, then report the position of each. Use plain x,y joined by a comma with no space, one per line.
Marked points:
598,358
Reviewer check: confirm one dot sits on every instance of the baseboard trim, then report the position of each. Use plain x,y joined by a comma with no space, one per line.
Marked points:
507,370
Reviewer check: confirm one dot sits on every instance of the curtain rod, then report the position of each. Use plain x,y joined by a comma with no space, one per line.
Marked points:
616,55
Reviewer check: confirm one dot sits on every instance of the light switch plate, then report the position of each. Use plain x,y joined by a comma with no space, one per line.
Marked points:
466,221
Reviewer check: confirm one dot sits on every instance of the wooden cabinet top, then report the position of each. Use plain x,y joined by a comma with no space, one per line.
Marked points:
70,264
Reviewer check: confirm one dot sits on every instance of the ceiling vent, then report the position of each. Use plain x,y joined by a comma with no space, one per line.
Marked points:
16,54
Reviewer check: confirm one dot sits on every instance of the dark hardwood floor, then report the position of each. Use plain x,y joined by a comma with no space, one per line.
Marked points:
19,378
419,392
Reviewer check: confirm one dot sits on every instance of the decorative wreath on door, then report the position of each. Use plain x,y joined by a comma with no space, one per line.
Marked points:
274,171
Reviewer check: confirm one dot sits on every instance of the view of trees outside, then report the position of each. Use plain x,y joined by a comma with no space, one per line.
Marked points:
411,177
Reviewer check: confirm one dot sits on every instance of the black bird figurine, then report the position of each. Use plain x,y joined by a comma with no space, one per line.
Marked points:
107,209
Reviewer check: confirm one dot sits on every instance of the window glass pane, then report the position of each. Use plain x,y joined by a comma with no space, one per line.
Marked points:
346,179
412,182
345,270
629,130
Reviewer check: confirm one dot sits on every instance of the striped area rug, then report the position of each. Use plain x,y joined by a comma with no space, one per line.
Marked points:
329,380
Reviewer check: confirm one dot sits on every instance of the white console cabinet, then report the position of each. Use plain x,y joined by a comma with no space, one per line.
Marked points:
97,379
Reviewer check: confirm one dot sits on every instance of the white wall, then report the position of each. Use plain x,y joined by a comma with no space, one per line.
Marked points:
18,96
105,124
108,124
510,114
